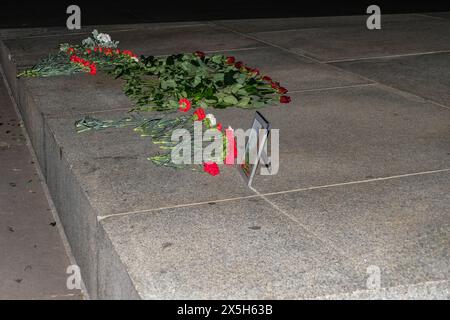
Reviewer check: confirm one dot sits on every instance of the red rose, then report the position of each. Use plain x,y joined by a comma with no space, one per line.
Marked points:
285,99
95,49
274,85
255,71
282,90
238,64
185,105
117,51
70,50
200,54
230,60
219,126
212,168
200,113
267,78
88,51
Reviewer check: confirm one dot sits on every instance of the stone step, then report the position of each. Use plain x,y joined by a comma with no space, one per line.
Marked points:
141,231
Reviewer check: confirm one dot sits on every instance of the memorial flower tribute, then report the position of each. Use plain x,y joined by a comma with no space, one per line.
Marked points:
179,86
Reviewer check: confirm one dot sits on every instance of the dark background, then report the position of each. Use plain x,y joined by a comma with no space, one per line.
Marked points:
42,13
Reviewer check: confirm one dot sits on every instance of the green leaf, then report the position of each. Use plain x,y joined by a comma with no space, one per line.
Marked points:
230,100
243,102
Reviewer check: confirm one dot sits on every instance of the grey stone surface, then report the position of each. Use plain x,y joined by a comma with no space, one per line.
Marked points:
424,75
313,244
235,250
401,226
158,41
113,279
338,43
350,134
445,15
295,73
111,167
14,33
33,257
439,290
280,24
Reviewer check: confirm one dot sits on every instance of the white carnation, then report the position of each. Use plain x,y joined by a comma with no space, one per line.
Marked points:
104,38
135,59
212,119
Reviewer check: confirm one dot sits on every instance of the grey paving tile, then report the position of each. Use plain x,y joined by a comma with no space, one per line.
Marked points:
279,24
337,43
33,258
350,134
424,75
111,167
445,15
294,72
156,41
400,225
83,93
235,250
439,290
20,33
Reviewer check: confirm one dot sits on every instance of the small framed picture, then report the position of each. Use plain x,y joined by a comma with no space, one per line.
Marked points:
254,147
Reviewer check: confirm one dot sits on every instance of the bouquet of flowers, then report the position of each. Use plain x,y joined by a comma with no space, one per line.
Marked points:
167,84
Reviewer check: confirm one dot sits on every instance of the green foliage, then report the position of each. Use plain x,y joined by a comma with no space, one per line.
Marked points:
157,83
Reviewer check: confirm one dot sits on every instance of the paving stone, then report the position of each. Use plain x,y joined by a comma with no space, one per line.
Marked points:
234,250
295,73
14,33
34,259
280,24
157,41
445,15
399,225
423,75
439,290
112,168
340,43
350,134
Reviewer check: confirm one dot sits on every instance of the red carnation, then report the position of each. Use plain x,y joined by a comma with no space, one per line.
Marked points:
185,105
200,54
93,69
212,168
230,60
200,113
282,90
219,126
285,99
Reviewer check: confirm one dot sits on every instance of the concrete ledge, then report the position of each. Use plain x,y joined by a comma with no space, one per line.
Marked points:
140,231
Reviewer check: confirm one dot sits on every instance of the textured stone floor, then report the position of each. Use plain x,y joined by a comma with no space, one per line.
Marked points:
363,180
33,258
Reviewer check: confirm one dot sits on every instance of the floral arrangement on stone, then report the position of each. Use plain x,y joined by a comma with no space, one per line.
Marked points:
167,84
